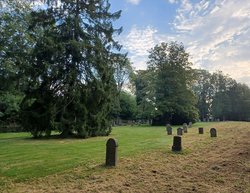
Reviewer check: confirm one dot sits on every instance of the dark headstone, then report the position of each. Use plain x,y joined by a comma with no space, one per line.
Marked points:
169,129
185,128
213,132
177,143
201,130
179,131
111,152
189,124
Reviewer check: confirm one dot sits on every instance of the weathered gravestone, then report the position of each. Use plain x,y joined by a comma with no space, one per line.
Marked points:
177,143
169,129
213,132
179,131
189,124
201,130
111,152
185,127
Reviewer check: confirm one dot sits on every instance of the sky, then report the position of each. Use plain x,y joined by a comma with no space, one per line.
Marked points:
216,33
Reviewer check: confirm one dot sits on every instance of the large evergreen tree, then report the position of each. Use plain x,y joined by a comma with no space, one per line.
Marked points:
71,77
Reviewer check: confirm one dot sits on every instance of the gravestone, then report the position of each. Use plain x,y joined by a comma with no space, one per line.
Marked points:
184,124
189,124
179,131
111,152
201,130
185,128
213,132
177,143
169,129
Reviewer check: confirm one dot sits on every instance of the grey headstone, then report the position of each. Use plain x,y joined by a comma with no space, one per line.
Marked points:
177,143
213,132
185,128
169,129
179,131
184,124
189,124
201,130
167,125
111,152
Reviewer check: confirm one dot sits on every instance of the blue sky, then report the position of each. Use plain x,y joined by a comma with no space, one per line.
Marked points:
216,33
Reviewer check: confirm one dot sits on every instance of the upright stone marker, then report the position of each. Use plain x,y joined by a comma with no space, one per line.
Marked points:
201,130
190,125
179,131
169,129
213,132
111,152
185,128
177,143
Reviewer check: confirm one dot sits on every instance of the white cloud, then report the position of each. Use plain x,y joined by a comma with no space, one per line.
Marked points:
216,34
139,41
135,2
172,1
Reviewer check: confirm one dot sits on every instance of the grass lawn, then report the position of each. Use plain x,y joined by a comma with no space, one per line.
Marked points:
23,158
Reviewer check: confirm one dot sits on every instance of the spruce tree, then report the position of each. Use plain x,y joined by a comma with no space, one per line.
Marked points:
72,82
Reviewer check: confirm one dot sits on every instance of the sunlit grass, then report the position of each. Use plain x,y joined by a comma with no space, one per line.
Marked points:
22,157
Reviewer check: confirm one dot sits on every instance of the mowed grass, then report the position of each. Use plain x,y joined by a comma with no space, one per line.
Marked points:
23,158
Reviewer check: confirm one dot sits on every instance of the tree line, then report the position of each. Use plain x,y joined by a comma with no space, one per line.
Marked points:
170,91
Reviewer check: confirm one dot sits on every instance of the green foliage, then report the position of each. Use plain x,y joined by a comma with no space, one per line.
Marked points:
123,74
128,106
68,60
168,91
144,91
37,114
15,45
9,108
233,103
204,91
221,97
123,71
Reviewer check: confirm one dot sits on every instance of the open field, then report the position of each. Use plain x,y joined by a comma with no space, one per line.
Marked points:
146,163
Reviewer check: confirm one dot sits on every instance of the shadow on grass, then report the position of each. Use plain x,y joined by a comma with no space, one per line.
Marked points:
43,138
60,137
182,152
